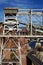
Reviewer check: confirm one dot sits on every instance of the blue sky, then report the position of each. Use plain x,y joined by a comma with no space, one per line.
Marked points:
19,4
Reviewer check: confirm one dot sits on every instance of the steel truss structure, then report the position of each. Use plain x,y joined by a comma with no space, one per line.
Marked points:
10,31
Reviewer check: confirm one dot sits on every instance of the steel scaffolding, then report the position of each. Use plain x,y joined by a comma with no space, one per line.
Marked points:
11,31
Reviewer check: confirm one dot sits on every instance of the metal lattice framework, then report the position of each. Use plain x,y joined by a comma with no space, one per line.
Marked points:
10,29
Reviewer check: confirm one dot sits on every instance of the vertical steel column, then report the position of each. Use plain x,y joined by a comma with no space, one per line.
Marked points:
42,19
4,25
31,20
1,51
19,47
17,21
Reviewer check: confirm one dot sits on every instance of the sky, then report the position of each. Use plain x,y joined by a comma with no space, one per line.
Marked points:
19,4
